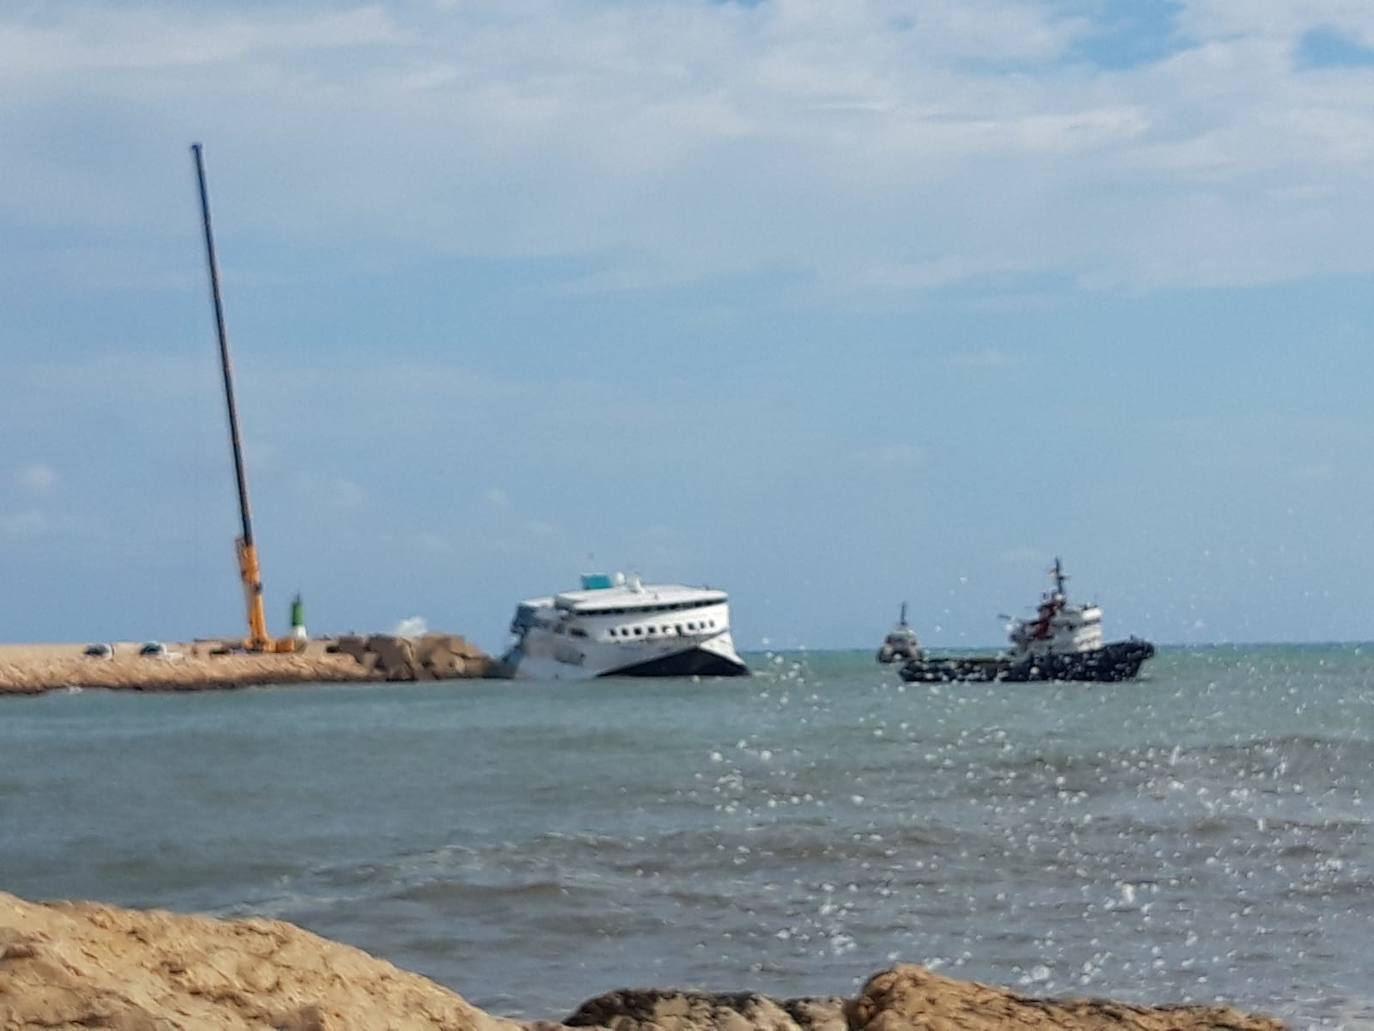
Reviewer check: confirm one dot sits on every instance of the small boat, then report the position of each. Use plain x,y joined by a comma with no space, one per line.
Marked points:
619,627
900,644
1062,642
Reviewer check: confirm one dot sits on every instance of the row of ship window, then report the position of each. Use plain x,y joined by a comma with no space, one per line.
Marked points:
640,609
640,631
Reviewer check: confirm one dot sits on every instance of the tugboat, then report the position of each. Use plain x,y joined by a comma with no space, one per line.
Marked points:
1062,642
900,643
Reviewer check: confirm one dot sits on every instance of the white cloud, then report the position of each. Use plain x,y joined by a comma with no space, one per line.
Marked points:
148,39
1320,472
985,358
25,524
895,457
37,478
924,275
654,551
515,524
333,491
899,147
432,543
1022,554
1278,19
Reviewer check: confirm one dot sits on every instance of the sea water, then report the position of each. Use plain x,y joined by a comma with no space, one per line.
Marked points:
1203,833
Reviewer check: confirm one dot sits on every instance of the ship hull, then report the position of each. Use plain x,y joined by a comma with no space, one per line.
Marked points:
695,662
544,656
1120,660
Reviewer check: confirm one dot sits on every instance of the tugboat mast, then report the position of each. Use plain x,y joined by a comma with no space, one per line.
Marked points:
1058,573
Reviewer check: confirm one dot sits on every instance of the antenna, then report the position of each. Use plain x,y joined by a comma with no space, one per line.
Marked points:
1058,573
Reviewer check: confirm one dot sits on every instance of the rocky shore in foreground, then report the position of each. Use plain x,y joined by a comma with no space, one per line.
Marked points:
72,965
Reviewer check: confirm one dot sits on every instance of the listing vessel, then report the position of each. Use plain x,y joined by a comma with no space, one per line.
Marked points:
900,644
616,626
1063,642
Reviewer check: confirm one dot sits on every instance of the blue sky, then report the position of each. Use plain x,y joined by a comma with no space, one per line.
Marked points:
831,305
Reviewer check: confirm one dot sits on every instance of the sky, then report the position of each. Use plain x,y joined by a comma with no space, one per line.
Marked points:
831,305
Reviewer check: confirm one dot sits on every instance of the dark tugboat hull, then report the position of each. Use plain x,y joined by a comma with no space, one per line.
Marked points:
1120,660
940,671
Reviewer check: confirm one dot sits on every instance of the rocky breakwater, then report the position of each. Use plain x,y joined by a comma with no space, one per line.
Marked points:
211,665
70,965
182,668
428,657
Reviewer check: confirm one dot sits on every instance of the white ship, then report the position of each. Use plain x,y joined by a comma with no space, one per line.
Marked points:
619,627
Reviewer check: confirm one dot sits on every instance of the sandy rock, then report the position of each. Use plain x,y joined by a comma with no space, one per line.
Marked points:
428,657
81,965
395,656
431,646
651,1009
911,998
436,656
449,666
352,644
66,966
467,650
446,656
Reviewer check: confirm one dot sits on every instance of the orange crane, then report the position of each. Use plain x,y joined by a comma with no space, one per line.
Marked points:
250,570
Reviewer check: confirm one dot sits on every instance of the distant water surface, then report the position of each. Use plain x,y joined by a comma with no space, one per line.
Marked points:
1204,833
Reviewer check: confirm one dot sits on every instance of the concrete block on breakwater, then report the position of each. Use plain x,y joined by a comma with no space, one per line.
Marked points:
428,657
